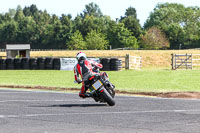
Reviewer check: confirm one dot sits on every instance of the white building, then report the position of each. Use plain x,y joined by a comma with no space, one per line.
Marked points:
18,50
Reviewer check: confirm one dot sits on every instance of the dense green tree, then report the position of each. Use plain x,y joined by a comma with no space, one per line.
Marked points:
12,12
131,22
19,15
7,18
2,18
8,32
26,30
175,34
92,9
130,42
93,30
42,30
95,40
90,23
91,19
31,11
76,41
67,27
185,21
120,37
77,23
51,34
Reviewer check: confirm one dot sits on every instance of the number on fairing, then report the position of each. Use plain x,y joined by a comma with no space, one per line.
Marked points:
97,84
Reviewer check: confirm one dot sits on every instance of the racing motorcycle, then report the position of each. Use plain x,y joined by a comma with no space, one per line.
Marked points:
101,89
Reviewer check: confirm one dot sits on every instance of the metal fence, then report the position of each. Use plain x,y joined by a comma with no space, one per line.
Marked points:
185,61
48,49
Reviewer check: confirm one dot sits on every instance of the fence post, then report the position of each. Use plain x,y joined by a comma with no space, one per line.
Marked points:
191,62
186,61
175,62
172,61
127,62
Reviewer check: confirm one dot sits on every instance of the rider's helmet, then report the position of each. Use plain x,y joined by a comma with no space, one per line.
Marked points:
81,56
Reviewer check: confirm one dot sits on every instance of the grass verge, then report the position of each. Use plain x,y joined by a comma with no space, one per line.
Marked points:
132,81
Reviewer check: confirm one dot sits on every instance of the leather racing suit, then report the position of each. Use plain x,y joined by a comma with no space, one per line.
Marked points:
84,68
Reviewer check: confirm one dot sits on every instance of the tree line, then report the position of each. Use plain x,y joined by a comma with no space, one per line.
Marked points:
169,26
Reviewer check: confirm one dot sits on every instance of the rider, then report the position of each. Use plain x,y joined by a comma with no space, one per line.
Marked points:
85,69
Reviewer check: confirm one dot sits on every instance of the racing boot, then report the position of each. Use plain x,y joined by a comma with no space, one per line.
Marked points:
87,94
84,95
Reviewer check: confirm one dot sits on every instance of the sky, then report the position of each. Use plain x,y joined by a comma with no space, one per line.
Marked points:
112,8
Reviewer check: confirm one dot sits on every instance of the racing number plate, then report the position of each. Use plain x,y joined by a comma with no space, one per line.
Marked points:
97,84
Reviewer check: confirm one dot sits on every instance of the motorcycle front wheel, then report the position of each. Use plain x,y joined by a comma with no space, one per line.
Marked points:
107,98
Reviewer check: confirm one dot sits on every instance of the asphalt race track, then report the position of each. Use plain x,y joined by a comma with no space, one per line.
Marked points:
54,112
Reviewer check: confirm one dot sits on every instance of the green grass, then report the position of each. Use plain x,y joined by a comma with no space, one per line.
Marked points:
50,78
157,80
135,81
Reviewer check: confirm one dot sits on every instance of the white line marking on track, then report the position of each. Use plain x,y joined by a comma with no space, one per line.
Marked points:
18,90
98,113
69,100
9,116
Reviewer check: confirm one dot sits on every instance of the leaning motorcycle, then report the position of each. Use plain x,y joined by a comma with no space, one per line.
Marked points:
101,89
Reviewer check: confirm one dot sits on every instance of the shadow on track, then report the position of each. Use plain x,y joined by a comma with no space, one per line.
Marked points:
79,105
74,105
